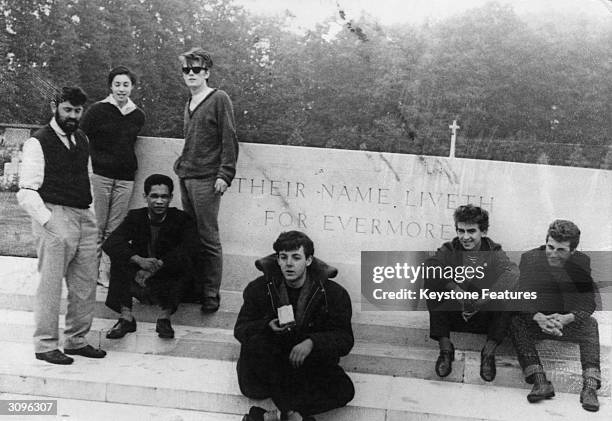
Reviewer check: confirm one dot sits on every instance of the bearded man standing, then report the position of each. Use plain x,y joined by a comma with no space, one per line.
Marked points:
55,192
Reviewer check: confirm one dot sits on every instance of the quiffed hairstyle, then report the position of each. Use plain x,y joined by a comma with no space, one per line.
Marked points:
197,54
156,180
73,94
564,230
470,214
121,70
292,240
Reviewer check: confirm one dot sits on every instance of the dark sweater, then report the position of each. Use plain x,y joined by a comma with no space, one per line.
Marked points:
66,181
112,136
211,145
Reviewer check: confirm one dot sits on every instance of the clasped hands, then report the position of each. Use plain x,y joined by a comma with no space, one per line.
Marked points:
469,308
300,351
553,324
148,267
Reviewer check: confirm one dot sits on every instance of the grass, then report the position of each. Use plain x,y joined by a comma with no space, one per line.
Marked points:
16,228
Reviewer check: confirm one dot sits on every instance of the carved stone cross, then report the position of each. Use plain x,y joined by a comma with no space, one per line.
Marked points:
454,128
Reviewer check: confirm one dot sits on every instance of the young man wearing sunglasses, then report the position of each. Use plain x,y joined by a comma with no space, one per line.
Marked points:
206,167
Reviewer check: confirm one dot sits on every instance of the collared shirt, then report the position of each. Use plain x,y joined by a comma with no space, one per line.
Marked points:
126,109
32,175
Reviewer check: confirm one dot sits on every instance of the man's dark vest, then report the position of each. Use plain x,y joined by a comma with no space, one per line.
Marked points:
66,180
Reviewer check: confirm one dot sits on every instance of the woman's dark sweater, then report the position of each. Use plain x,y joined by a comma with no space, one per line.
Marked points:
112,136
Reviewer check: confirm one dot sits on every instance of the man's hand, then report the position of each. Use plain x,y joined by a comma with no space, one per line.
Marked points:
467,315
150,264
470,307
564,319
142,276
300,352
548,324
276,328
220,186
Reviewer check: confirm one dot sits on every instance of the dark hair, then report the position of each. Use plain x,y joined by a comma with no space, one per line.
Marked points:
198,54
564,230
292,240
156,180
470,214
121,70
73,94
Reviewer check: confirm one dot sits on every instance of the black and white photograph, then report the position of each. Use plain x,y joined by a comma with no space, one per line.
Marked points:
317,210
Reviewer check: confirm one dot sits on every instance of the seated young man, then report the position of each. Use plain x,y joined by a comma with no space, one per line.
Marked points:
561,277
490,269
149,252
294,325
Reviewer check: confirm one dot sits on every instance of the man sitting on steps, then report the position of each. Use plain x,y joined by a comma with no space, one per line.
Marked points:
294,326
471,252
561,277
149,255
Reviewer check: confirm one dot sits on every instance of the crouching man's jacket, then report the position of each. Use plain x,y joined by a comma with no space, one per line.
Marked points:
323,311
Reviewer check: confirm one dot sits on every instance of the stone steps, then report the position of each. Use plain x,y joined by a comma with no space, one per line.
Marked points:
409,328
198,384
87,410
391,364
366,357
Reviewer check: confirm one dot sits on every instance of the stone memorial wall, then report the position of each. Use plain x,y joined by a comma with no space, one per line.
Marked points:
351,201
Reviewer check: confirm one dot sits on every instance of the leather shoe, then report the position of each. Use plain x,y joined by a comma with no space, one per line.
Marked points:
54,357
588,399
120,328
164,329
87,351
487,367
541,391
210,304
444,364
255,414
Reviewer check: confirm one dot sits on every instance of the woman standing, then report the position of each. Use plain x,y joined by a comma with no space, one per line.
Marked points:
112,126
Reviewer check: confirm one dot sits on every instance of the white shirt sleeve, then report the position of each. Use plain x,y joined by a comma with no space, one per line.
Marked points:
90,172
31,177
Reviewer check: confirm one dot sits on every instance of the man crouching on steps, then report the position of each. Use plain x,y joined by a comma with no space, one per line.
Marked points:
294,326
149,252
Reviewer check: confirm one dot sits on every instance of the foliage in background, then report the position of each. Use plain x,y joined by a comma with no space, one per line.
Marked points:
521,90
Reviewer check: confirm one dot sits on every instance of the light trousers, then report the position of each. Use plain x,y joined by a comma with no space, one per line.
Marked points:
111,203
66,247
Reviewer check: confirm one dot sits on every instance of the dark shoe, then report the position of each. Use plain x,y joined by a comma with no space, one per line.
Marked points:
164,328
541,391
54,357
487,367
588,399
87,351
210,304
255,414
120,329
444,364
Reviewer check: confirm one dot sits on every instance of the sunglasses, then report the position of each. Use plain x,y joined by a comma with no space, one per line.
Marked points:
196,70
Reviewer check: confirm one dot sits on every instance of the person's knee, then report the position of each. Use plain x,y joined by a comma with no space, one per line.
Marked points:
248,382
346,391
517,322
